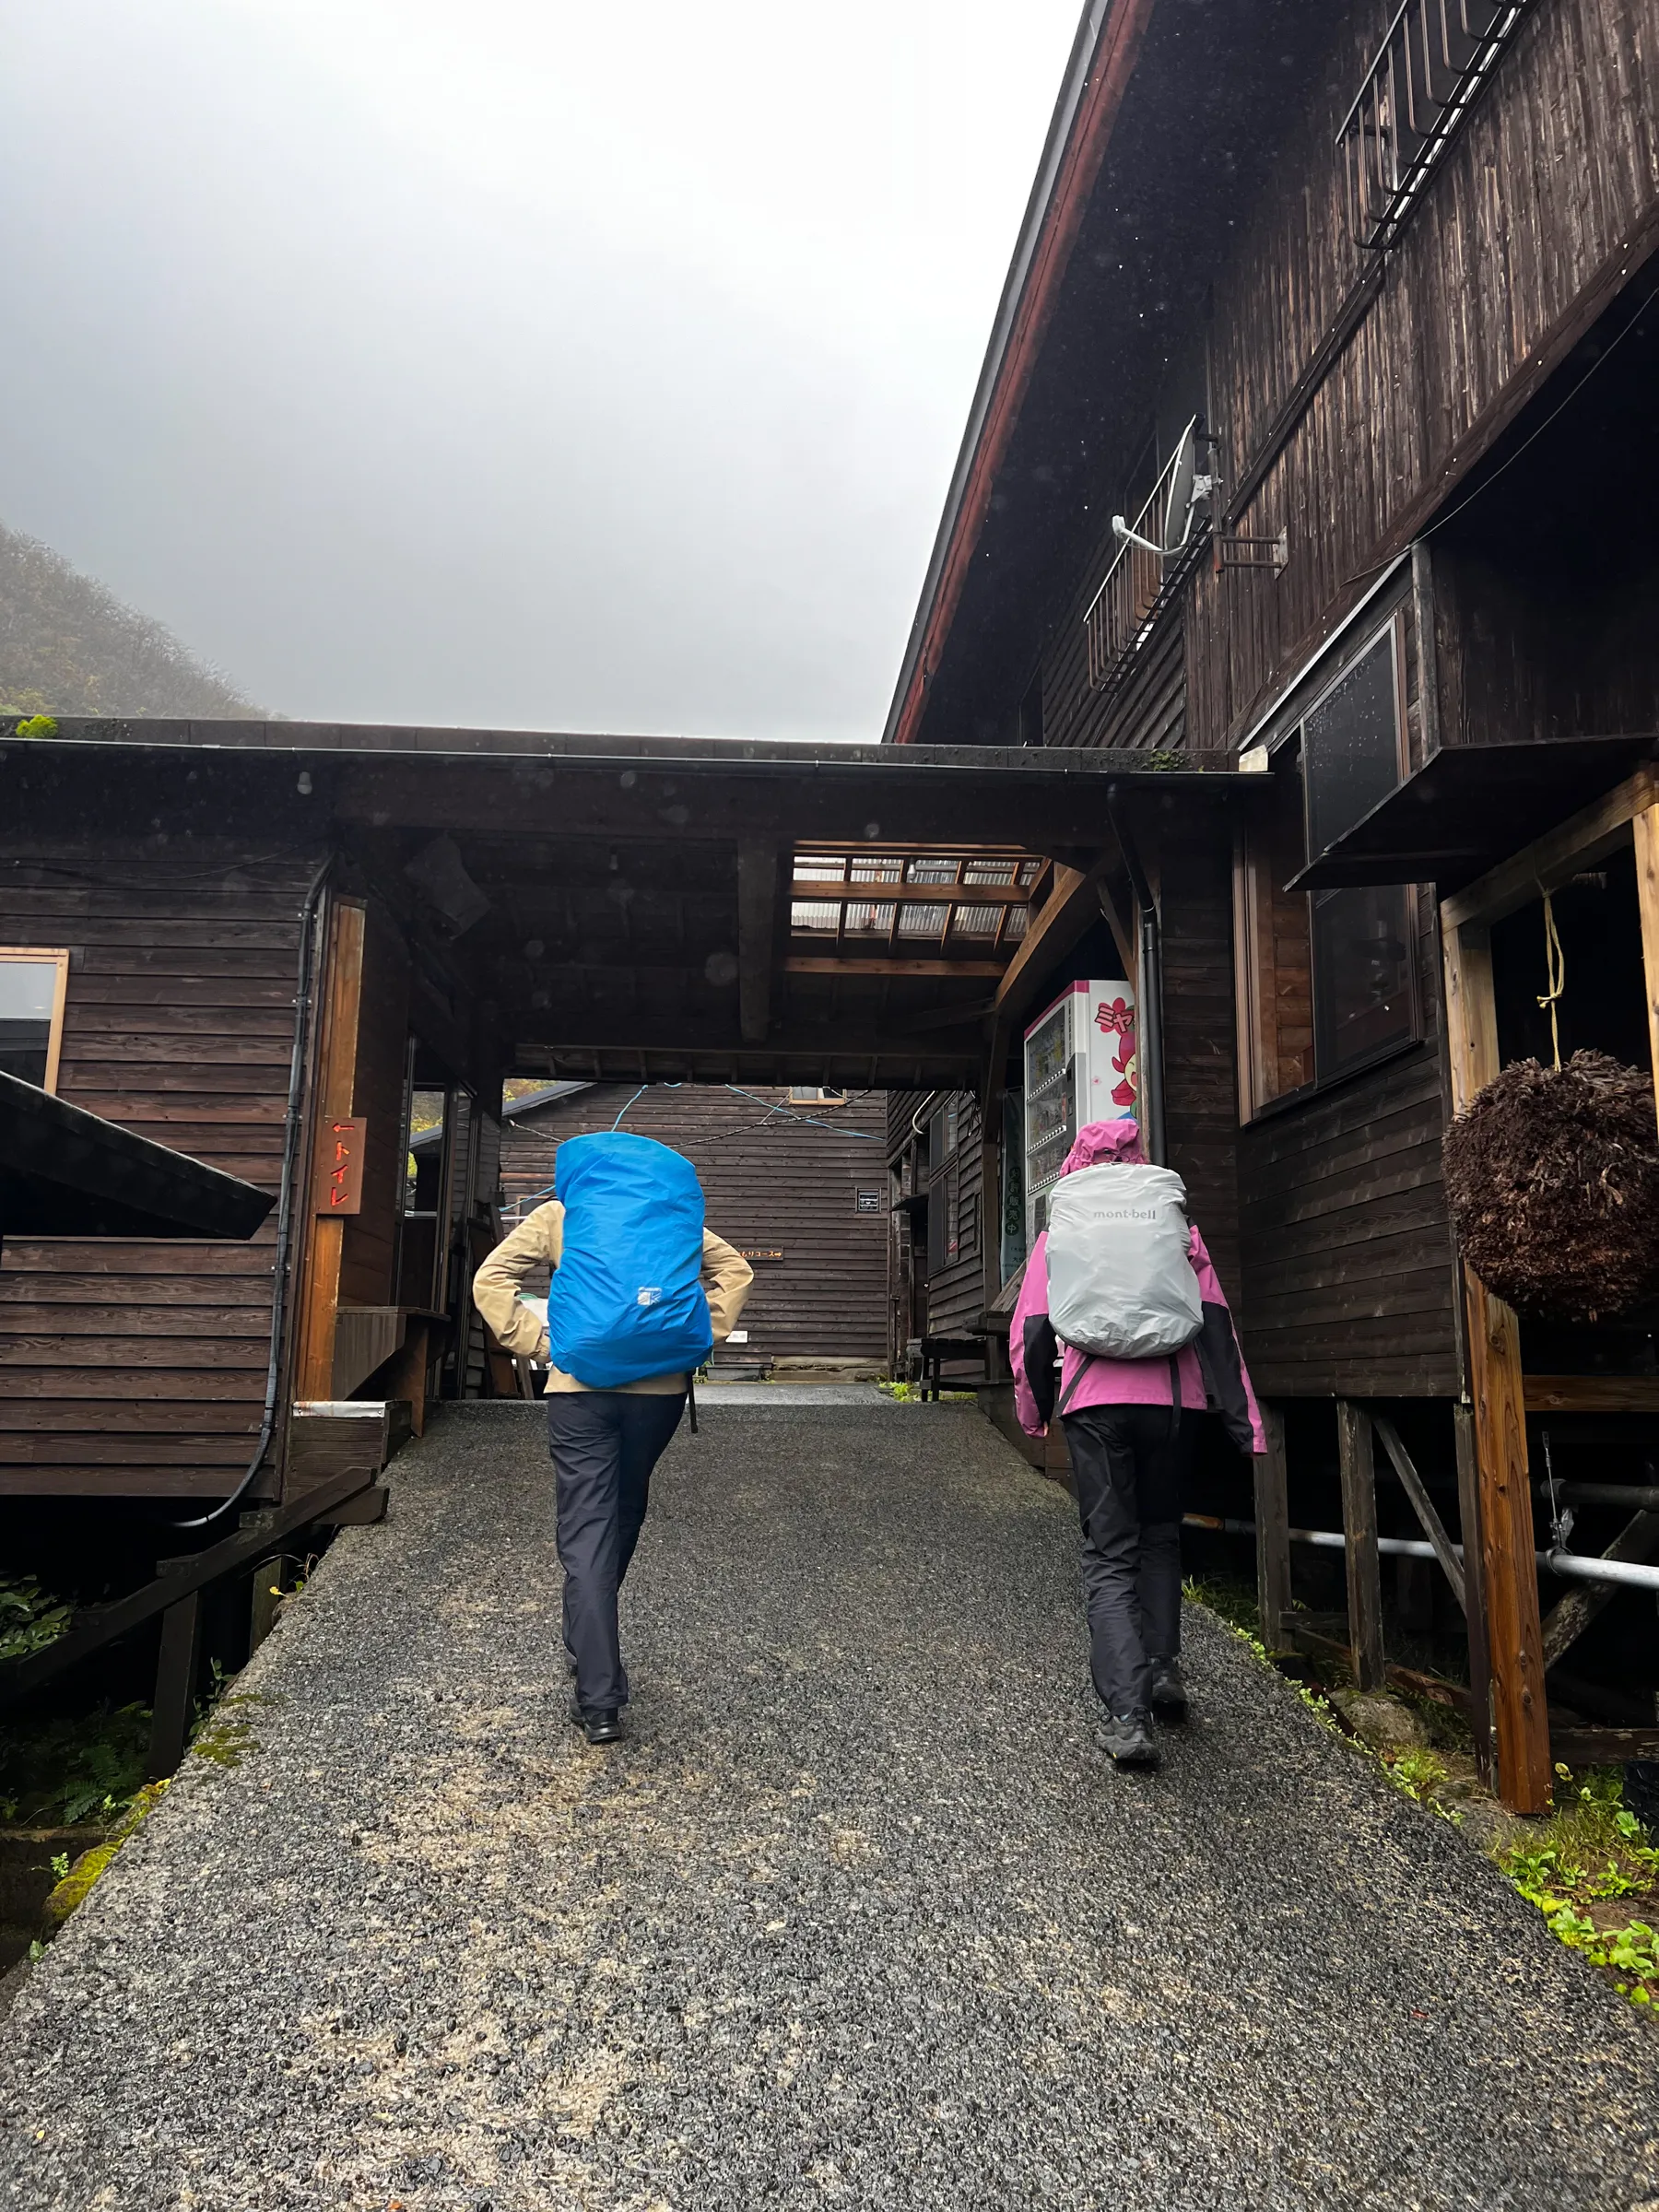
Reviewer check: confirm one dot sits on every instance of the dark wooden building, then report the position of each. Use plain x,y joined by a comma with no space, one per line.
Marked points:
286,949
1313,440
794,1178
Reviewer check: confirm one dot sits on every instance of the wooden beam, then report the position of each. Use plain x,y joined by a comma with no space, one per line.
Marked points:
342,1005
1422,1505
758,872
1273,1532
1123,934
1590,1394
1602,1746
856,964
1549,861
832,891
1051,932
1644,826
1359,1526
1497,1397
174,1699
1567,1620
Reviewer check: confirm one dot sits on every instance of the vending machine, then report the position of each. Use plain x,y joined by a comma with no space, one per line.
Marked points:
1079,1067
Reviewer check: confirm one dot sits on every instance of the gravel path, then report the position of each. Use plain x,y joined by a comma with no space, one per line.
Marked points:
858,1918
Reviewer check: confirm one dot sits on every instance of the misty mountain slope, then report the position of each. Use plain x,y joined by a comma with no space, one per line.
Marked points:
67,646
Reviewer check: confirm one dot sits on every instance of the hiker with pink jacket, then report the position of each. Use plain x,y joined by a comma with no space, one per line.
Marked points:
1120,1291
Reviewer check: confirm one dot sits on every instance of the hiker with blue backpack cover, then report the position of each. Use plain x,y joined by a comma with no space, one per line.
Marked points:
1120,1284
640,1292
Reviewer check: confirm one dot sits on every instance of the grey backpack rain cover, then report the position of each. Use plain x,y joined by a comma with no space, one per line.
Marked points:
1120,1283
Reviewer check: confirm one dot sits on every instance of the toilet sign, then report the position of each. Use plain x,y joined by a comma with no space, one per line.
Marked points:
340,1166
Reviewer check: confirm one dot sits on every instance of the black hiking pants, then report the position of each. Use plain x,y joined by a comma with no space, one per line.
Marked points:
1130,1465
604,1444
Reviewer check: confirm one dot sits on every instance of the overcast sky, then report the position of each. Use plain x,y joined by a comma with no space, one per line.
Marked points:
548,363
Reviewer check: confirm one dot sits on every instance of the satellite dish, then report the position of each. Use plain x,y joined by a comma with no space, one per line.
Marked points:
1187,492
1183,479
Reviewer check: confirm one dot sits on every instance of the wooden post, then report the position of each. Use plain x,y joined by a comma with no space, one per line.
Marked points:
1475,1599
1354,1447
320,1296
175,1685
1273,1532
1644,827
1514,1639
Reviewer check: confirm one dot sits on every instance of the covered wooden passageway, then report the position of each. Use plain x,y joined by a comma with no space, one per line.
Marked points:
364,928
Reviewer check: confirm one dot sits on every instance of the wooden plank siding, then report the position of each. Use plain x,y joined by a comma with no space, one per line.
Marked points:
1347,1264
1537,212
1201,1091
771,1180
139,1368
955,1293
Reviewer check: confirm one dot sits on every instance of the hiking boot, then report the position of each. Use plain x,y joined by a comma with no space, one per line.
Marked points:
1169,1691
598,1728
1128,1738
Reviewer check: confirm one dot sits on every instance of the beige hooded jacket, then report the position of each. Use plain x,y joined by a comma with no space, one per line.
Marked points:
533,1250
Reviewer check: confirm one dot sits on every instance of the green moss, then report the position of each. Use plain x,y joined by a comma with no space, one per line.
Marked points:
37,726
226,1735
78,1881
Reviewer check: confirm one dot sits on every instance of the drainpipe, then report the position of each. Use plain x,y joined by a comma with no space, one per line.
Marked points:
287,1204
1149,994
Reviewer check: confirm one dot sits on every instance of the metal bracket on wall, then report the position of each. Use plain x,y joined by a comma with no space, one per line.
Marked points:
1235,552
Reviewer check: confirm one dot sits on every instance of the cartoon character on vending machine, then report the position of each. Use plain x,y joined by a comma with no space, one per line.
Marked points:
1120,1015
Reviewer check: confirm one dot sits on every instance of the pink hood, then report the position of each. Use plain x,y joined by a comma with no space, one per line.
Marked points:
1086,1381
1101,1144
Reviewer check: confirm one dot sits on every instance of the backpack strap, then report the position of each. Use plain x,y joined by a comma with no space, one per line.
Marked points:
1174,1398
1071,1387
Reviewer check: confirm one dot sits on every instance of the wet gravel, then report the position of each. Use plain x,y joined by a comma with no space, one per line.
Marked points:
859,1916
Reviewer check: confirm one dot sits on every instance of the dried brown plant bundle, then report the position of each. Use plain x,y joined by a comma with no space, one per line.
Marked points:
1552,1176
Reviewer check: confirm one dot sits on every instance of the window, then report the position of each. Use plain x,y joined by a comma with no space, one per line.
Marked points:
1353,743
807,1096
1326,981
33,983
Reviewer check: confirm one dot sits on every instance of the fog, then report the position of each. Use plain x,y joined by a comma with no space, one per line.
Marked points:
530,363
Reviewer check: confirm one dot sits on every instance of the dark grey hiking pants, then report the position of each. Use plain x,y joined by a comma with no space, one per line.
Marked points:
604,1444
1131,1466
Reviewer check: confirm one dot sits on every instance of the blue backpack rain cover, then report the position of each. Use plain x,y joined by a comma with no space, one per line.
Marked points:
627,1299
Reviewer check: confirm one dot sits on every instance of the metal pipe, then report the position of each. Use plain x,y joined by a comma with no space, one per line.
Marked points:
1578,1569
1639,1497
1148,996
293,1128
1573,1566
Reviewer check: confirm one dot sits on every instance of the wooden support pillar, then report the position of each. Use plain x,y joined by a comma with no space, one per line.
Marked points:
1644,827
342,1002
1514,1640
1474,1597
1273,1532
175,1685
1355,1455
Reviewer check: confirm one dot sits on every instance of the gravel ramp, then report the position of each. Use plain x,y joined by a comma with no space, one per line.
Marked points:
858,1917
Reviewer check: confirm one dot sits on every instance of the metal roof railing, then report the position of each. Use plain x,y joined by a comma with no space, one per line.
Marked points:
1429,70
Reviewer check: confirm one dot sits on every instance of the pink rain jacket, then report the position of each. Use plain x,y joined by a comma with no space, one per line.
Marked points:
1211,1367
